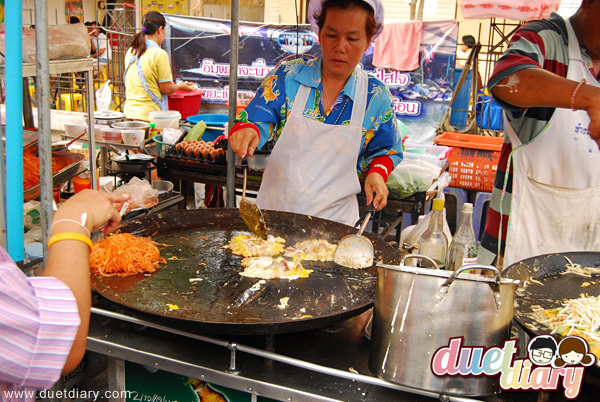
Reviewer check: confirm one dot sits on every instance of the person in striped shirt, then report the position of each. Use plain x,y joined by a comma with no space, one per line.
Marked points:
44,319
547,84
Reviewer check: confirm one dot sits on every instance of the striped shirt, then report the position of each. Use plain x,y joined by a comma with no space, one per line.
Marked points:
38,323
538,44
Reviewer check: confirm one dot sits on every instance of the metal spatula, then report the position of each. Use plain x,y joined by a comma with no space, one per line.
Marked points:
251,214
355,251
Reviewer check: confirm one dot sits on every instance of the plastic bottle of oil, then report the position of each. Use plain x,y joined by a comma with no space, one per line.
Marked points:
433,242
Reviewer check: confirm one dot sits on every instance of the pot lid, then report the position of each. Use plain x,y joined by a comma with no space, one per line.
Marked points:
108,115
132,158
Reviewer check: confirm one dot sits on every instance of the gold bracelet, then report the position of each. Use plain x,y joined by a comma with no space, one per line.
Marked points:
70,236
581,83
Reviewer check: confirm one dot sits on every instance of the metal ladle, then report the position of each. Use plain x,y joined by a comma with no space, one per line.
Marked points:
251,214
355,251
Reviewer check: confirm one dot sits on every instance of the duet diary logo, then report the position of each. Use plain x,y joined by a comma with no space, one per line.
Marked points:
547,363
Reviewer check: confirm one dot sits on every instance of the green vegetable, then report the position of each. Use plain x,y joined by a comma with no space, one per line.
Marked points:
196,132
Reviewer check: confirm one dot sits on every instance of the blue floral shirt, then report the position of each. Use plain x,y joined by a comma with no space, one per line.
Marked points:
274,99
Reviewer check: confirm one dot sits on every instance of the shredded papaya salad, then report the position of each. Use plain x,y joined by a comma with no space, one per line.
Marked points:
124,254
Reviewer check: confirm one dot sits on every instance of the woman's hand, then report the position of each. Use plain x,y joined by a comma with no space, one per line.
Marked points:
98,207
375,185
185,86
243,142
589,100
168,88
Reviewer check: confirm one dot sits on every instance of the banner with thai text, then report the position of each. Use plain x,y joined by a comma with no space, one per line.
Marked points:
200,52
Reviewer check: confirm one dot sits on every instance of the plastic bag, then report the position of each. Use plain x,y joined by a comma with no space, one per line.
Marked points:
412,176
141,194
70,40
171,135
489,113
103,97
410,237
196,132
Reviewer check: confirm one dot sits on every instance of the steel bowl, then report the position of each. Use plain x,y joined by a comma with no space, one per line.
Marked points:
164,187
131,125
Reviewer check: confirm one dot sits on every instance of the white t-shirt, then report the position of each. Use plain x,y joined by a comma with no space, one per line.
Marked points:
102,43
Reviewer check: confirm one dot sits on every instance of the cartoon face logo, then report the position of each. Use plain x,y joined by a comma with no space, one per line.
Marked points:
573,350
572,357
542,350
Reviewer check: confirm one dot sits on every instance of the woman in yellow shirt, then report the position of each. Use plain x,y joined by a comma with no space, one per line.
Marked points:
148,78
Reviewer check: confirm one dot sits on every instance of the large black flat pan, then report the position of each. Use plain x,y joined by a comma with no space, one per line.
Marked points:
554,287
225,302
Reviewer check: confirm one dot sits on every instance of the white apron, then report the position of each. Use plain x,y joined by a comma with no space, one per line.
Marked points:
312,168
556,183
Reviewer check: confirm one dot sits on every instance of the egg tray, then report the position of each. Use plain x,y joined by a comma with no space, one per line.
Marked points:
180,154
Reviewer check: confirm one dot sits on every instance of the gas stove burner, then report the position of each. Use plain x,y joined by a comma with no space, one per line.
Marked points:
128,176
141,173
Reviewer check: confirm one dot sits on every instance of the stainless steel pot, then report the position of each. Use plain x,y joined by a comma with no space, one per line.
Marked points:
418,310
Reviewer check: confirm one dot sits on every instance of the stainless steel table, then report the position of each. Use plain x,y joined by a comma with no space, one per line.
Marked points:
329,364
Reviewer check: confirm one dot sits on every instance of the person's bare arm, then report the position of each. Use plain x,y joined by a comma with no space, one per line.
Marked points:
69,260
535,87
170,87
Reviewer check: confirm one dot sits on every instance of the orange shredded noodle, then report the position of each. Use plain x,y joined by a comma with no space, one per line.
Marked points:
31,168
124,254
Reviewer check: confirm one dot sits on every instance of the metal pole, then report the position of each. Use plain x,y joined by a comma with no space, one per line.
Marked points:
2,193
14,128
44,122
89,89
233,76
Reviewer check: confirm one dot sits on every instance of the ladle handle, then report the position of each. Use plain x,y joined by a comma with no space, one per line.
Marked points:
365,222
245,178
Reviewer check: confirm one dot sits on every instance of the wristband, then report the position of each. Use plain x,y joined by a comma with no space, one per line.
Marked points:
72,221
240,125
70,236
583,81
382,165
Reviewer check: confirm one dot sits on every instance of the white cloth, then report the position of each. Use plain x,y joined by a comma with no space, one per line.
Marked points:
312,168
315,6
556,186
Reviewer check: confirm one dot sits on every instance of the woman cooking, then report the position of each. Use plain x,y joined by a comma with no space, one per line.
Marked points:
328,118
148,78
